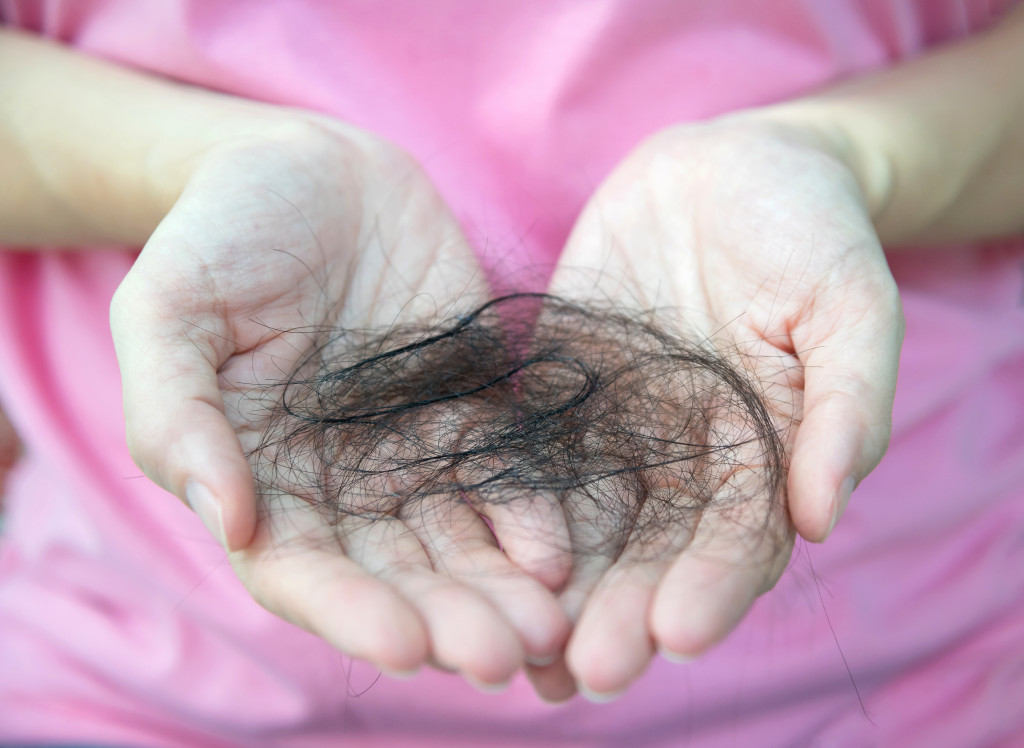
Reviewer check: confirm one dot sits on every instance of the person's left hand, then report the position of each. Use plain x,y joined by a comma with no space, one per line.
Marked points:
750,236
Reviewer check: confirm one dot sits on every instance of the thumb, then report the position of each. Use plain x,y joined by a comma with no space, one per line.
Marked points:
852,355
177,431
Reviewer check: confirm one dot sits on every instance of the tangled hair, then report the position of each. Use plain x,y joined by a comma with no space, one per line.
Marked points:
626,424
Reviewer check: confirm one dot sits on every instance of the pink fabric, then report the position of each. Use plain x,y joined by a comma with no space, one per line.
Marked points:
120,621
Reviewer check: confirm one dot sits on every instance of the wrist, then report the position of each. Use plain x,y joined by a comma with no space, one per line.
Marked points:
299,146
111,172
817,125
935,143
212,125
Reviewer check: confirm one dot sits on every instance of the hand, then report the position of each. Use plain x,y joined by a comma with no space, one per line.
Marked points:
749,235
317,224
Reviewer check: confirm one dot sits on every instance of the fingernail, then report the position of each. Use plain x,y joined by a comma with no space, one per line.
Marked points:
841,500
600,697
207,509
401,674
488,687
674,657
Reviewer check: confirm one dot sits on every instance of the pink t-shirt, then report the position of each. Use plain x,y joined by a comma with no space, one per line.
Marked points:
120,621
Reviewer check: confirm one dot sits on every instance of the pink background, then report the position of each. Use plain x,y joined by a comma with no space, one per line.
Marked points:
120,621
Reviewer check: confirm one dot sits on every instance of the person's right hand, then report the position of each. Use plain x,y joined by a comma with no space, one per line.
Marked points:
319,224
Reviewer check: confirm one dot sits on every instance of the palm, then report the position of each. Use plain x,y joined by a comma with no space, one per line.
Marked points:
267,244
761,245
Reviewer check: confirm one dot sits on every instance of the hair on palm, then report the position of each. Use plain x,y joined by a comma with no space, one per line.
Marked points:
634,429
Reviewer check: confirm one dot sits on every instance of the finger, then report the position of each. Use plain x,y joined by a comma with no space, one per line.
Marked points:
466,633
735,555
177,431
594,537
309,582
460,546
533,534
589,528
553,682
612,644
850,365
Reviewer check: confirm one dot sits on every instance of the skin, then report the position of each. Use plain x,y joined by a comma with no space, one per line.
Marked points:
262,234
759,241
761,229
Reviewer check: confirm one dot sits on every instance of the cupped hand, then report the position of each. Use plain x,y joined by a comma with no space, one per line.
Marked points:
274,236
748,235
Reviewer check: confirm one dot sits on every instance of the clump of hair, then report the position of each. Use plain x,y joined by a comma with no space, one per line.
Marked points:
529,394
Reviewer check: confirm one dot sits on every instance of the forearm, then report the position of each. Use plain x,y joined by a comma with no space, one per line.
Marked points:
937,144
94,154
